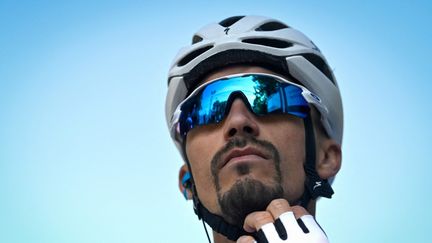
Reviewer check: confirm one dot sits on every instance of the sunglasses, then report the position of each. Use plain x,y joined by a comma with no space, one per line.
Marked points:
263,94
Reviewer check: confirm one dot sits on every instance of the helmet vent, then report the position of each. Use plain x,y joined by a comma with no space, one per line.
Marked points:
320,64
272,26
230,21
196,39
268,42
189,57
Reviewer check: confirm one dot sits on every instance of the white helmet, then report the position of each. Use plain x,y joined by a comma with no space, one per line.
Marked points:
261,41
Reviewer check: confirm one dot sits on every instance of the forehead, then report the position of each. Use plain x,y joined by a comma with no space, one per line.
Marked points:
230,70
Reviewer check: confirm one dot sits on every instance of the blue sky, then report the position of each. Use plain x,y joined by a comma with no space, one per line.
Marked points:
85,155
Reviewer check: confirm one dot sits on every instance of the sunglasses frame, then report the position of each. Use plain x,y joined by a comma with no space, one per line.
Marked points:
310,98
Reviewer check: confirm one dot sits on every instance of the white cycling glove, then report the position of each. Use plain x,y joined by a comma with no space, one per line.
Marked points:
289,230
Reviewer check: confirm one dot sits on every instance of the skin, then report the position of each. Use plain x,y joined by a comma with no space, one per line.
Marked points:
285,132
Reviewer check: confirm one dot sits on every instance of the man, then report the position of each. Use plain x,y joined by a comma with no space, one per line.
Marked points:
257,115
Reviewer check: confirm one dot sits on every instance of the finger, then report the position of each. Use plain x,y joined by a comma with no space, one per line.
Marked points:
313,226
299,211
246,239
267,231
254,221
290,223
278,207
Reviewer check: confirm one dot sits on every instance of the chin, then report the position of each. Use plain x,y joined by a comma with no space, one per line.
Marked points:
247,195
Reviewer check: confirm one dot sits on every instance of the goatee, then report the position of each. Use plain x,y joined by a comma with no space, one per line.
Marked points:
247,194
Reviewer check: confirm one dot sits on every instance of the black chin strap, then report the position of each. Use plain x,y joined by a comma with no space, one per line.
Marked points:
217,223
314,187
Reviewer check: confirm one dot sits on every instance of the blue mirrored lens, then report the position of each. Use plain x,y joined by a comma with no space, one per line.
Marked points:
265,95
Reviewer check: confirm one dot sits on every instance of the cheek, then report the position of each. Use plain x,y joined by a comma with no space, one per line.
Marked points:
292,150
289,139
200,150
292,156
199,155
291,147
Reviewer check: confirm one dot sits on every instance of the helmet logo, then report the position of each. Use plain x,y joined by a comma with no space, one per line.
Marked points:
315,47
317,184
315,97
226,30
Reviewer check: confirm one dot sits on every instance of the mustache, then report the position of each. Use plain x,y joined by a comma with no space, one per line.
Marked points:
240,142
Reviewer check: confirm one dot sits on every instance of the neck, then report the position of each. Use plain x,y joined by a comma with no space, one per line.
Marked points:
218,238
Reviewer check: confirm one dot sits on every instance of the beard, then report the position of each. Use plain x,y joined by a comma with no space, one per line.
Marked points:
247,195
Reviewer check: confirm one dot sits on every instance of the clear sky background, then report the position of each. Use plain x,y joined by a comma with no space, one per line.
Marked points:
85,154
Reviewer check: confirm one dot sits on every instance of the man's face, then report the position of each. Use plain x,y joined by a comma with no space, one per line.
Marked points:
245,161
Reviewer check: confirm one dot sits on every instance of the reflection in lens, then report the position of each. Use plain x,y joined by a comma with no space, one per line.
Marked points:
265,95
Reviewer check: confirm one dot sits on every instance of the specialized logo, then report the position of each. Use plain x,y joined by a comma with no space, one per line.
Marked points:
317,184
315,47
226,30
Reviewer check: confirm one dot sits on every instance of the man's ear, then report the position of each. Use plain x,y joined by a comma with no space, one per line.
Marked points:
185,182
329,158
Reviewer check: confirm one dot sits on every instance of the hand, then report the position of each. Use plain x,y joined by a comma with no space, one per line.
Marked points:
283,223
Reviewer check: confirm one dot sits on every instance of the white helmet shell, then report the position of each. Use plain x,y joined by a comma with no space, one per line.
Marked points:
249,36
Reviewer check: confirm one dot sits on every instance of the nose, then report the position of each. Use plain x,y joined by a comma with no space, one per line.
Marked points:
240,121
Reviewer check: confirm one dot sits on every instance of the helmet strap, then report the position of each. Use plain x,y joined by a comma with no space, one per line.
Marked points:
314,185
